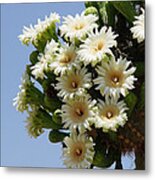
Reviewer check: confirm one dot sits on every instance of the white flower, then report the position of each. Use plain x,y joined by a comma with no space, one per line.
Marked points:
40,67
115,77
78,113
28,36
79,151
66,59
97,45
42,25
138,28
51,48
30,33
78,26
74,82
111,114
20,101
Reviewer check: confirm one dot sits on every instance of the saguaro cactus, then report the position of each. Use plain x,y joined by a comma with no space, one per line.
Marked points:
92,83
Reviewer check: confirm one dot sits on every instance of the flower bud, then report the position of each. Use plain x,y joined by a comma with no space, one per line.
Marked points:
91,10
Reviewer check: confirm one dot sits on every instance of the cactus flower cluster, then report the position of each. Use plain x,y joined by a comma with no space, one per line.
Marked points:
87,82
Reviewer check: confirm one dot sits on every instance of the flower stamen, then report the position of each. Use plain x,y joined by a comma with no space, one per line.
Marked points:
109,114
99,47
79,112
74,85
115,80
79,26
78,152
65,60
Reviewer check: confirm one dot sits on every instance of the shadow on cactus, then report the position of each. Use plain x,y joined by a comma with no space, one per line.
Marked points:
91,72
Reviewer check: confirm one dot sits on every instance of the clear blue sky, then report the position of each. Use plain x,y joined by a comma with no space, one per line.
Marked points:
17,148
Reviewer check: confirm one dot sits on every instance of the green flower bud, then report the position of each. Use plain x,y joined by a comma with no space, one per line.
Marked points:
56,117
107,57
91,10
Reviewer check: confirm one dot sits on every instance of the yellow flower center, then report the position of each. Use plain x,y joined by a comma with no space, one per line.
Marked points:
78,151
79,26
74,81
109,112
67,58
114,78
79,112
98,46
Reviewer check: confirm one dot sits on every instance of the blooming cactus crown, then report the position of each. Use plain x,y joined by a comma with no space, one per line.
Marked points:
85,81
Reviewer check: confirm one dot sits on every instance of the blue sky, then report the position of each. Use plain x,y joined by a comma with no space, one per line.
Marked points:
17,148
